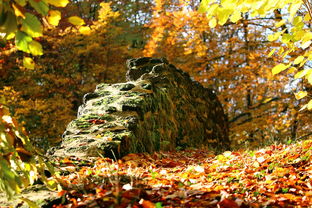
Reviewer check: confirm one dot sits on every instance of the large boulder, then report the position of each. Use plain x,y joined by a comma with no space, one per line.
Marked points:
159,108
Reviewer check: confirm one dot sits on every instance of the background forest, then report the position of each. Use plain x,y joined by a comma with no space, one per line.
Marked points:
232,59
254,54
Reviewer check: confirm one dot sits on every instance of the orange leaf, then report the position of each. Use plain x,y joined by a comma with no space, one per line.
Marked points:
147,204
61,193
67,161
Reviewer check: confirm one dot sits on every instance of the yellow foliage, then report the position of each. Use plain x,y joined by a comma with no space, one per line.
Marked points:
54,16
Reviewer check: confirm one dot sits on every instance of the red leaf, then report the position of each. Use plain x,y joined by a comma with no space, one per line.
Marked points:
228,203
97,121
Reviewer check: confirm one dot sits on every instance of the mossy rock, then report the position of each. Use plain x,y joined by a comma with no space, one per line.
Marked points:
159,108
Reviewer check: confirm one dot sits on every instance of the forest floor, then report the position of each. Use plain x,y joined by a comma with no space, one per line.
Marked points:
275,176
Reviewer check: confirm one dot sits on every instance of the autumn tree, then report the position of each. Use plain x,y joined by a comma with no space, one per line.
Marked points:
75,59
232,59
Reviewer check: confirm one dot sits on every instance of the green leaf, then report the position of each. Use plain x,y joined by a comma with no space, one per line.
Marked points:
22,40
8,23
158,205
54,17
35,48
21,2
40,6
279,68
28,63
75,20
58,3
30,203
31,25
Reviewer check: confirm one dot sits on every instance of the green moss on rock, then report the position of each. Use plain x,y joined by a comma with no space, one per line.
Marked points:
159,108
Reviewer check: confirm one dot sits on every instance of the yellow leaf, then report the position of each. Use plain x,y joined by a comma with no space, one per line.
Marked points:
85,30
271,53
307,36
310,77
35,48
18,12
280,23
28,63
302,73
223,15
306,44
212,10
307,17
279,68
75,20
235,16
298,35
54,17
297,20
298,60
187,51
58,3
274,36
52,184
302,63
213,23
256,164
291,70
294,7
287,52
267,100
303,107
281,51
309,106
203,7
301,94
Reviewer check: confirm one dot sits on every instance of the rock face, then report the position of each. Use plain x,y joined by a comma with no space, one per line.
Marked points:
158,108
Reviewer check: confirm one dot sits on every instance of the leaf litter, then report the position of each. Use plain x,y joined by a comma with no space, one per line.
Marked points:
276,176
